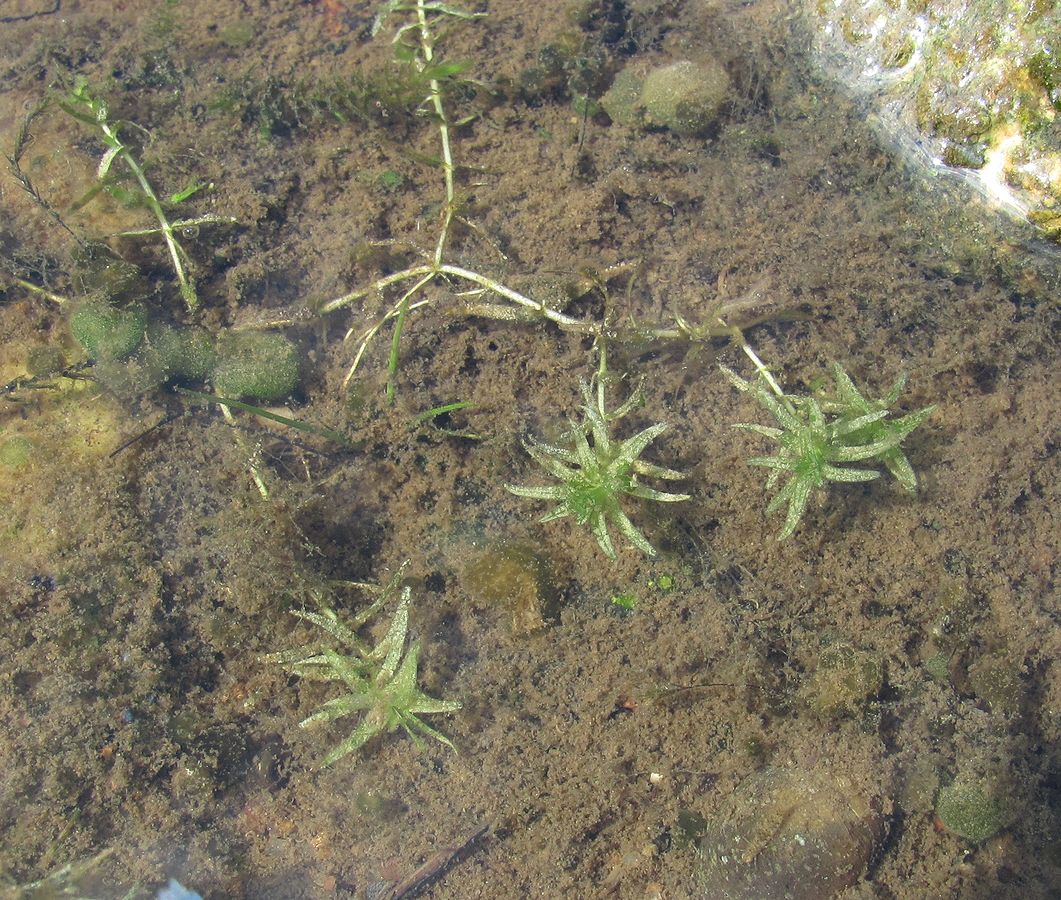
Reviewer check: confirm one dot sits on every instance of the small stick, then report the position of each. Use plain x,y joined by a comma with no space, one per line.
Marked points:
433,869
161,423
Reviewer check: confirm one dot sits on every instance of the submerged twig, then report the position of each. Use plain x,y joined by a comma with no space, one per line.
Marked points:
161,423
433,869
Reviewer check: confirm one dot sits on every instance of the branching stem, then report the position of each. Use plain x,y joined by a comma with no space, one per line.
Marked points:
514,305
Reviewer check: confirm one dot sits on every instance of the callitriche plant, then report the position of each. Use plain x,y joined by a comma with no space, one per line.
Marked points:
85,106
820,437
416,43
594,476
379,681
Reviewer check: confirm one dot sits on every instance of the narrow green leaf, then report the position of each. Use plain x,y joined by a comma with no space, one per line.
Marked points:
308,427
442,71
190,189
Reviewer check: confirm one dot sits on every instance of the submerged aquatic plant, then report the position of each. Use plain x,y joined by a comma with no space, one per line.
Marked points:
594,476
85,106
421,26
820,437
849,406
380,681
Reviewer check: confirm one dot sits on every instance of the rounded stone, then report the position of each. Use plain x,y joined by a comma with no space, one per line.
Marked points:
802,834
685,97
970,809
257,366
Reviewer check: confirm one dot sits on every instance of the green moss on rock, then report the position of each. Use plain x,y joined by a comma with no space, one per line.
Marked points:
256,366
101,273
996,678
970,810
685,97
108,332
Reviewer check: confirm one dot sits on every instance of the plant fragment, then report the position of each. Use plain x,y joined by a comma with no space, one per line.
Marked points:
83,105
820,436
380,681
594,476
420,29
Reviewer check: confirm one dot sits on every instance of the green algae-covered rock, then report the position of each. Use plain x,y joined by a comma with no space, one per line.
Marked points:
622,101
970,809
105,331
685,97
181,354
257,366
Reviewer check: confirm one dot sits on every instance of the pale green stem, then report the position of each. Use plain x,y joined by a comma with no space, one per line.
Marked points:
377,285
760,367
602,371
187,287
32,288
403,308
427,45
515,296
256,475
367,337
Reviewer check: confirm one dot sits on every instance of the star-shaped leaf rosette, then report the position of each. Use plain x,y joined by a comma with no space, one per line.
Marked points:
379,681
820,436
598,470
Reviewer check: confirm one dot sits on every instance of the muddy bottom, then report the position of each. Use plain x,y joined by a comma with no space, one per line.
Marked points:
868,708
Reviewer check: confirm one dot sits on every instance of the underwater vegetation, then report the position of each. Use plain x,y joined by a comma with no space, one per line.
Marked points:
686,97
380,681
85,106
818,437
349,679
594,476
596,471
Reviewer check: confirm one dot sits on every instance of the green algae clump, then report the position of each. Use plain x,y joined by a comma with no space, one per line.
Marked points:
970,810
257,366
16,451
685,97
181,354
108,332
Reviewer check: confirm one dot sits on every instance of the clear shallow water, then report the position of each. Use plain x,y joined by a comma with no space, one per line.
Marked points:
143,588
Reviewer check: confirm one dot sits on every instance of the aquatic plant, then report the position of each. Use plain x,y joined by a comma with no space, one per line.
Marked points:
380,681
85,106
416,44
849,405
820,437
277,106
63,881
594,476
